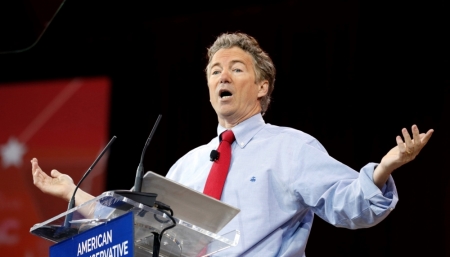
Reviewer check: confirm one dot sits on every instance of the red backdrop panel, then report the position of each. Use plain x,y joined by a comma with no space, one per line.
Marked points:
63,123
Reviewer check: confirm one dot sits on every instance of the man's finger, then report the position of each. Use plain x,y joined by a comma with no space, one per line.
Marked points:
34,165
34,169
416,136
426,137
400,144
408,141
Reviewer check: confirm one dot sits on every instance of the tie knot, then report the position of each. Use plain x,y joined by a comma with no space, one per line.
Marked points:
228,136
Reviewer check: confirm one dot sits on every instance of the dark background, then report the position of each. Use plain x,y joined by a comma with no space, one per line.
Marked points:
350,73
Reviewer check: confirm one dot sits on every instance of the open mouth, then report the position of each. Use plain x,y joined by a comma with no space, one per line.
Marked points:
225,94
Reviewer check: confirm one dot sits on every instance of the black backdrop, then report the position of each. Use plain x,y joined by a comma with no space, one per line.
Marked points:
350,73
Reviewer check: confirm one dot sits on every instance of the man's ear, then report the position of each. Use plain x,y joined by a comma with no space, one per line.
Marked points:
263,88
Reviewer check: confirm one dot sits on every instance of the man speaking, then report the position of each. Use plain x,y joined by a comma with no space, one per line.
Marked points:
279,177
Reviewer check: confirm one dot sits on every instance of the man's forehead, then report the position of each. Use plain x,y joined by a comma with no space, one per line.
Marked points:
231,55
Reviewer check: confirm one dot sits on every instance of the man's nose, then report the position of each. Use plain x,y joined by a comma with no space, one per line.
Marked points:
225,76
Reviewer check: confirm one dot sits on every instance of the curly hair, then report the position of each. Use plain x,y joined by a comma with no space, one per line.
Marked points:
263,65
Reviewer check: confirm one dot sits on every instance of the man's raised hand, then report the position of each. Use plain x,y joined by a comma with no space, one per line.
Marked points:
404,152
57,184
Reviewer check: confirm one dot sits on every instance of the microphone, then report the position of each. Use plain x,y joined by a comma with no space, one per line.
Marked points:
72,200
136,195
214,155
140,169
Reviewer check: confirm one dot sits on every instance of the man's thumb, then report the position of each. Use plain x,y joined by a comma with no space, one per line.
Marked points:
55,173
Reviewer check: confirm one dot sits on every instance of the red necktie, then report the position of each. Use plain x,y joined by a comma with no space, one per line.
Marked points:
219,170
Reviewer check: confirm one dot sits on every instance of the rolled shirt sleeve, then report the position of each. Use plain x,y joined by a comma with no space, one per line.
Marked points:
340,195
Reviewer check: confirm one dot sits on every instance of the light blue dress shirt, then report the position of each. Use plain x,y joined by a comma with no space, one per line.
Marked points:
279,177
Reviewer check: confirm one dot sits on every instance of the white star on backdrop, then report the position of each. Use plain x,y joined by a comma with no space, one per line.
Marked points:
12,153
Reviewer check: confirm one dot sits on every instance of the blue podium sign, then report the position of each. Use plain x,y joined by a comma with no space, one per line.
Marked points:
114,238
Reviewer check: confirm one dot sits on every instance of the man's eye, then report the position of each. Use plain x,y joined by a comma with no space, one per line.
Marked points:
237,70
215,72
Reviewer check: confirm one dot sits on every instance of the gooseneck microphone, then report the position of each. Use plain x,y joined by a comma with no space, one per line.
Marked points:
136,194
72,200
140,168
148,199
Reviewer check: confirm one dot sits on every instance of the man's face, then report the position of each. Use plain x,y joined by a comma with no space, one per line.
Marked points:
233,91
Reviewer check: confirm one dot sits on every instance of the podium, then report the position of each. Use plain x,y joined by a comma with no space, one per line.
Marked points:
185,239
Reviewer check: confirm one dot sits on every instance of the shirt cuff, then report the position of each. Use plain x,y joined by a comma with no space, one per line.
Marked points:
380,200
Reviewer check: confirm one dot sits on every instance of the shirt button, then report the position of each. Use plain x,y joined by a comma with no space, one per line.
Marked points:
242,144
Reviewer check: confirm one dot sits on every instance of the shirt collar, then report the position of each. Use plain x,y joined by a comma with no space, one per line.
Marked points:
246,130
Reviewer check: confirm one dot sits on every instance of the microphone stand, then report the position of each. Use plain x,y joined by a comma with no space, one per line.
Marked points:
136,194
148,199
72,199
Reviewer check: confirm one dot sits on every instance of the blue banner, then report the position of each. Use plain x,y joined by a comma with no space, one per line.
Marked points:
114,238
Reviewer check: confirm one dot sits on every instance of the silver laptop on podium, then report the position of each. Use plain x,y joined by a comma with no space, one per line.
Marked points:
189,205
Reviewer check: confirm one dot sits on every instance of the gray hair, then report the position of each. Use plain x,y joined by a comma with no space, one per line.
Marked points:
263,65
